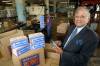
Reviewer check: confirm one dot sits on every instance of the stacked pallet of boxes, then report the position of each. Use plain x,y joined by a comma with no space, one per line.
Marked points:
5,43
28,53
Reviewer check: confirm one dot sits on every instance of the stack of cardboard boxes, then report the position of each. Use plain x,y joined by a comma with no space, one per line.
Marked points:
30,53
5,43
26,51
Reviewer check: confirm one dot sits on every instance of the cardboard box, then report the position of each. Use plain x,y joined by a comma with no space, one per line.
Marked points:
37,41
54,64
27,32
8,33
19,41
49,48
31,58
52,57
5,48
6,62
49,62
21,50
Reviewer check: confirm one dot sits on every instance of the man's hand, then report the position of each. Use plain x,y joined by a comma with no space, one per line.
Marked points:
58,50
58,43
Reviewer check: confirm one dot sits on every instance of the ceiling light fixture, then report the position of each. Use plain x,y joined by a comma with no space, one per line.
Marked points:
6,1
9,3
63,2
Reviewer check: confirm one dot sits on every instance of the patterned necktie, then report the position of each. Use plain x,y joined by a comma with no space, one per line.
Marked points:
73,34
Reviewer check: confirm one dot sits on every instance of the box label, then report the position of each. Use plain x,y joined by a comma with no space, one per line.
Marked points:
31,60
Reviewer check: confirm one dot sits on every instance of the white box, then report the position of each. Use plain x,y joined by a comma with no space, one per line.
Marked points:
37,41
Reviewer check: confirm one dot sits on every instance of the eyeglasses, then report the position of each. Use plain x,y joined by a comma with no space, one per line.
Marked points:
83,17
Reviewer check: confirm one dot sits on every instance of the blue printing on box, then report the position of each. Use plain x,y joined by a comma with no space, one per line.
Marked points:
20,40
38,45
23,50
19,43
36,38
34,47
37,42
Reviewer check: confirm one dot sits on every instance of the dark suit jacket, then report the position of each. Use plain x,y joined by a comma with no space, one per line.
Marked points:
80,48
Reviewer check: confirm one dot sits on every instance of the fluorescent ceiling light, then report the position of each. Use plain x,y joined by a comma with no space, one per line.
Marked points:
9,3
6,1
63,2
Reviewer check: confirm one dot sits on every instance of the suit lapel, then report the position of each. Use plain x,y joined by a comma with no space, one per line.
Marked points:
67,36
78,35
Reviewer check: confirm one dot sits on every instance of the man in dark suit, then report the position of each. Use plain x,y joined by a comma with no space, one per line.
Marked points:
77,49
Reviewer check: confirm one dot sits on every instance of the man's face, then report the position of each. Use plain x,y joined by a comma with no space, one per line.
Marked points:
81,18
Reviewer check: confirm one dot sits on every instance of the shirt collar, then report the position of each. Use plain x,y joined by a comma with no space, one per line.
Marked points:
79,28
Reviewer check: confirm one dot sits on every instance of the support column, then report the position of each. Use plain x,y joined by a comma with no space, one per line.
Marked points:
21,13
47,6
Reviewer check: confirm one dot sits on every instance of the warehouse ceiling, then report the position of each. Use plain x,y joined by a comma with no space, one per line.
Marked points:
9,2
